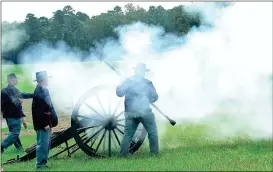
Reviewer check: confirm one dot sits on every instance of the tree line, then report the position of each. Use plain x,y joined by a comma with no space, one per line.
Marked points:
77,29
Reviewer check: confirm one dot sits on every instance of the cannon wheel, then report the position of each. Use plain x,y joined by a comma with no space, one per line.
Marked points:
98,128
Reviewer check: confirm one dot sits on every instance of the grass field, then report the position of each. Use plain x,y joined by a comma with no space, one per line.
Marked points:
183,147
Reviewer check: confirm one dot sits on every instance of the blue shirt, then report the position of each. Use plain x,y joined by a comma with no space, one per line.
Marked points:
139,94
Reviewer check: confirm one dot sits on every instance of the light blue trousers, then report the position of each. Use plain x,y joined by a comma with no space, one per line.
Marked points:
43,147
14,125
132,121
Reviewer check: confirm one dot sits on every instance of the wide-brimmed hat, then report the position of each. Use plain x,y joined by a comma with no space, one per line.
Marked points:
11,76
40,76
142,67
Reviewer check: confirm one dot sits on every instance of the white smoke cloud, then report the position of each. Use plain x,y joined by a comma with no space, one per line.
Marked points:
211,74
227,63
70,78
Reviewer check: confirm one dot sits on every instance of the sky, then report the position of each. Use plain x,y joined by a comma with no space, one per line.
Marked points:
17,11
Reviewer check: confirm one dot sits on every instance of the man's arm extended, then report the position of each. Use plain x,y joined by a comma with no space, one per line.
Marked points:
22,95
27,95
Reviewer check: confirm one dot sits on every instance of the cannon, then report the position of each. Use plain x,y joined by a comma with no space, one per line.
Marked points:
96,128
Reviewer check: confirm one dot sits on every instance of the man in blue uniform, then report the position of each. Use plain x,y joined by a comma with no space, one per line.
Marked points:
139,94
11,107
44,118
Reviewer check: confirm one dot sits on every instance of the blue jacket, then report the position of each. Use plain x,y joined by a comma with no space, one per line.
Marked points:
139,94
41,106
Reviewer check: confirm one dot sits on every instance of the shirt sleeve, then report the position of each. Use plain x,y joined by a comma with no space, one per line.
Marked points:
21,111
121,90
4,100
27,95
153,94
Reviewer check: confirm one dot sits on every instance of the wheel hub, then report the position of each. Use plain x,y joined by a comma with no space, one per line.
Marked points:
101,132
111,124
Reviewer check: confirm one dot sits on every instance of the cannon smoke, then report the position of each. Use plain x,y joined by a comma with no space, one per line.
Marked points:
211,74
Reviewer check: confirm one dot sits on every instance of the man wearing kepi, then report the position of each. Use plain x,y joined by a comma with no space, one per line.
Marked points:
44,118
11,107
139,94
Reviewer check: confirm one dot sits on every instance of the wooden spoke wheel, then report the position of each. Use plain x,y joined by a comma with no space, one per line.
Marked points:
98,123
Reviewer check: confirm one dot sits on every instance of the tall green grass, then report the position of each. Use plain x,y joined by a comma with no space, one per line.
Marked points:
181,148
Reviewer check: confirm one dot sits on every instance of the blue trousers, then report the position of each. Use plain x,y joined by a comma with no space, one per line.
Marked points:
43,147
132,121
14,125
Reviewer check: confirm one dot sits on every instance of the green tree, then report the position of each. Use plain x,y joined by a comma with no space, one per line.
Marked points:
78,30
117,9
57,26
32,25
82,16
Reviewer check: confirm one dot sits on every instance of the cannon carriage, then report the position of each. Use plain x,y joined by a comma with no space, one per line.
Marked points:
97,128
